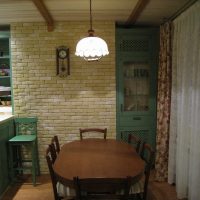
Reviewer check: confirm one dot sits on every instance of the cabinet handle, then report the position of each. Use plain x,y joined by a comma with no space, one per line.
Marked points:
122,107
136,118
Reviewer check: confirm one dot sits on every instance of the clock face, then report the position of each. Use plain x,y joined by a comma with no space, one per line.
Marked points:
62,53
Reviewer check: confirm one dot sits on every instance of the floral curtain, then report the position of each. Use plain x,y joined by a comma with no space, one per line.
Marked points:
163,103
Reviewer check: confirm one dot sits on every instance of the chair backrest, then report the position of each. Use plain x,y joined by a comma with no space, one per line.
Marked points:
55,179
50,161
26,125
53,152
93,130
56,144
147,154
102,188
134,140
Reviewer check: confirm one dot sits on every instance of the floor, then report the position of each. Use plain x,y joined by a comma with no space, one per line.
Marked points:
43,190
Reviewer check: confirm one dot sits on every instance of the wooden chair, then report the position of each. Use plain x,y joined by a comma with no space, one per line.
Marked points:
141,187
102,188
50,158
26,139
134,140
93,130
56,144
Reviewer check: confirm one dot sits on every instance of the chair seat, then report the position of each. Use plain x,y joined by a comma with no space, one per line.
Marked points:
23,138
138,187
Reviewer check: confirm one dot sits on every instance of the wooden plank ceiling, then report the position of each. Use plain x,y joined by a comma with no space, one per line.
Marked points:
139,12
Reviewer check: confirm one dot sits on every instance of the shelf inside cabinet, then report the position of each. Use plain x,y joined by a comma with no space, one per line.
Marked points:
5,77
5,89
5,96
136,95
5,57
4,34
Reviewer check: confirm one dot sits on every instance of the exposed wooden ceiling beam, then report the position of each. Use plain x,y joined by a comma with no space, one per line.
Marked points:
141,4
45,13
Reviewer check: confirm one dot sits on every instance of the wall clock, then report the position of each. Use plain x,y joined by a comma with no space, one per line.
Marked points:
63,64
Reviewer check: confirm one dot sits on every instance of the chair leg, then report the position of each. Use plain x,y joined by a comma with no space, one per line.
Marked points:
11,163
18,164
19,158
37,159
33,163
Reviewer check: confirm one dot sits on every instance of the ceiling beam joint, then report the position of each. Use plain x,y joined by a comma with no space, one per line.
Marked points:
141,4
45,13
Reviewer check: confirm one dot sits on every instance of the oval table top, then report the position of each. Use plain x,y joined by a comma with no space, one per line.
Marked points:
98,158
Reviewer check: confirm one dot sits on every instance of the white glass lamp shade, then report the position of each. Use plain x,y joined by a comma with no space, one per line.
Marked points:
91,48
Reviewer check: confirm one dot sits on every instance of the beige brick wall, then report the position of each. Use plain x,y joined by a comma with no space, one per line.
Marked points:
86,98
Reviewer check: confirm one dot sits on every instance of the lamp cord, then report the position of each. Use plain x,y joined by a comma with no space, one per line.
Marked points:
90,14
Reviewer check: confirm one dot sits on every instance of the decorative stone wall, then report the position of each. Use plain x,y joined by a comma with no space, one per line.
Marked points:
86,98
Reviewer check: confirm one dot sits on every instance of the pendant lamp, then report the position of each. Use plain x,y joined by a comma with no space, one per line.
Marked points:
91,48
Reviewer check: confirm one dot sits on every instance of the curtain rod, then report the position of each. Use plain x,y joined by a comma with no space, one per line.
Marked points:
182,9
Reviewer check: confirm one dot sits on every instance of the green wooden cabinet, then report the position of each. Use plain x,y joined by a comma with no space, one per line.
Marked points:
5,69
6,132
136,67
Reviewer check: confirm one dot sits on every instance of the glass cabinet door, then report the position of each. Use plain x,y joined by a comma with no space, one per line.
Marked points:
136,79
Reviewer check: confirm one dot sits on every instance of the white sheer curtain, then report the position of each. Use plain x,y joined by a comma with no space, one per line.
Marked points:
184,148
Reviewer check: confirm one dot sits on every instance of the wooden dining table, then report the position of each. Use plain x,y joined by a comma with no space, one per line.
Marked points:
97,158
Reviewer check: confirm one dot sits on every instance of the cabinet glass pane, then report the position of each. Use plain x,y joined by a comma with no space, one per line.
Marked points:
136,86
5,72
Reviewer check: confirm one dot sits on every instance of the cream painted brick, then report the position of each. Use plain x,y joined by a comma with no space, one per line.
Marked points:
86,98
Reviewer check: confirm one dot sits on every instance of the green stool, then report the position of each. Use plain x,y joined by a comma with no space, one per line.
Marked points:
26,135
